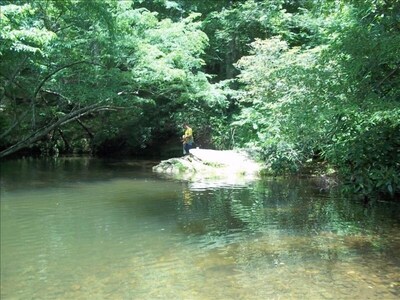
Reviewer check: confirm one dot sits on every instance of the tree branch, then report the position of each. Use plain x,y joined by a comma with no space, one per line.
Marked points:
6,132
37,135
53,73
89,132
39,87
387,76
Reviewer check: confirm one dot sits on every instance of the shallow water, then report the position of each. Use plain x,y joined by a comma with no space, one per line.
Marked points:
81,228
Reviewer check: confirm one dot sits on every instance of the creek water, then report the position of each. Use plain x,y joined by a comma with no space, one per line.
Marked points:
85,228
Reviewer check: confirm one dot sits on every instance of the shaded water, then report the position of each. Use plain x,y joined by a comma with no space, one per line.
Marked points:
80,228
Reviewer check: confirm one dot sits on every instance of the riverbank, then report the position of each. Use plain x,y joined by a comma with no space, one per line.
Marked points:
231,167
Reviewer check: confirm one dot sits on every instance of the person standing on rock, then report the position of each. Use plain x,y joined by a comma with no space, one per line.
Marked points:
187,139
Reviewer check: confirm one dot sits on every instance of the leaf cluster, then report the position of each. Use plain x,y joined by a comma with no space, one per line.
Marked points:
335,99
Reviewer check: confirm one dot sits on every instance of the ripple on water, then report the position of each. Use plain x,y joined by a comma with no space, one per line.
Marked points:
141,238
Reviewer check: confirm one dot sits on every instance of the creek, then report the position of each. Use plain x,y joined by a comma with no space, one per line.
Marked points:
87,228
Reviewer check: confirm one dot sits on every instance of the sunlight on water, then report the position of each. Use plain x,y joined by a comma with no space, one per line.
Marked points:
113,230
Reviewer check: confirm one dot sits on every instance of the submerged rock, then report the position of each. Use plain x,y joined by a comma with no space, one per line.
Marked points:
206,163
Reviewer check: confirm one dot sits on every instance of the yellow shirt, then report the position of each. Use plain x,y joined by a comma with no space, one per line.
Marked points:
188,137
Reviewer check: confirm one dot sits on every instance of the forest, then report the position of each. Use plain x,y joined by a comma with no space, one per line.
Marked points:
302,83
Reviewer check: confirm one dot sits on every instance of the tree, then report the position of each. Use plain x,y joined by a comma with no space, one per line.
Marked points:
337,101
38,63
366,132
99,55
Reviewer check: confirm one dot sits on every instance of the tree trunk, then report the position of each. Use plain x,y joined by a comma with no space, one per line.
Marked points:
62,135
89,132
39,134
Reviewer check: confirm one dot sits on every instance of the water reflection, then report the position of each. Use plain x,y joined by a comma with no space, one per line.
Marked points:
289,226
95,229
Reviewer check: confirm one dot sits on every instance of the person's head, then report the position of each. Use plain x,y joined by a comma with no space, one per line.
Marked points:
185,125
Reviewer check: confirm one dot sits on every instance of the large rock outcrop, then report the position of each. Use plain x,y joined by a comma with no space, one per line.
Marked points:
230,166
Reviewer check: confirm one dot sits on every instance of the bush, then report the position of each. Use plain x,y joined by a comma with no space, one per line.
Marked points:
366,153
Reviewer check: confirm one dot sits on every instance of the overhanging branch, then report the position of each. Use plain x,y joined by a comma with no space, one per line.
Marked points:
38,88
37,135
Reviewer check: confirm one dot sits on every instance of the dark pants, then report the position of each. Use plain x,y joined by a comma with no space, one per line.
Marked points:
187,147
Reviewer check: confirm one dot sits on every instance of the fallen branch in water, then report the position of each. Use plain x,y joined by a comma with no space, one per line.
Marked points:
39,134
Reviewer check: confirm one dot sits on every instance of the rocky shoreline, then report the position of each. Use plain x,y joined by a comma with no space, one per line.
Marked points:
211,164
205,167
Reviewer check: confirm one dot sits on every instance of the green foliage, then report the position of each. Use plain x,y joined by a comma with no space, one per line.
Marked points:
19,32
366,151
337,101
167,67
278,114
104,52
306,79
234,26
365,137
